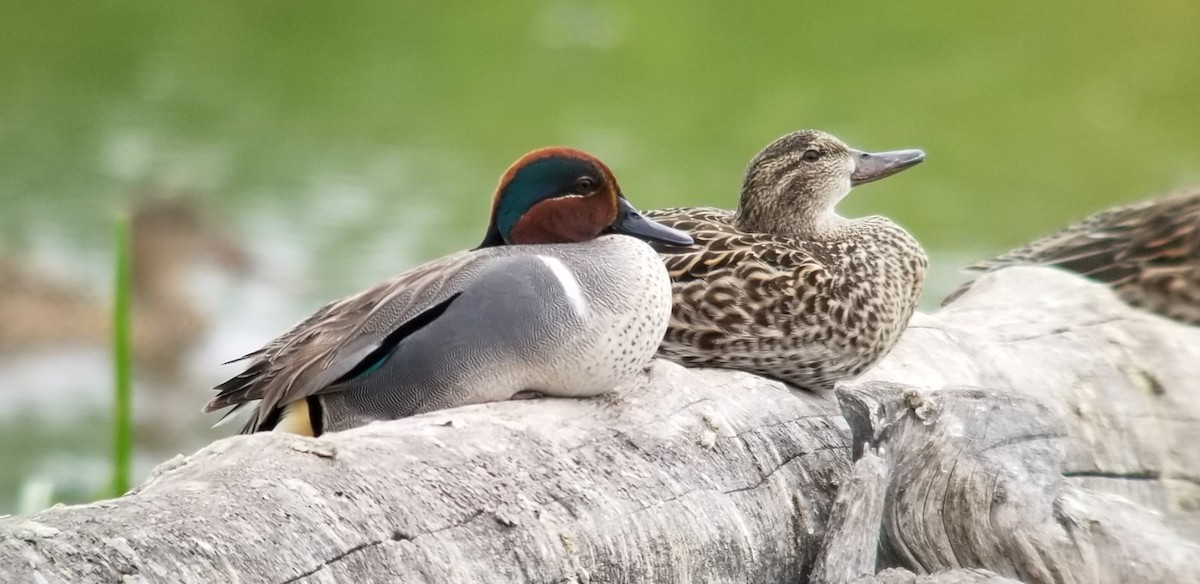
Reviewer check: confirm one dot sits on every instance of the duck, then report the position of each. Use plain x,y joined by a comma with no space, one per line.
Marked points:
783,286
563,298
1148,253
170,235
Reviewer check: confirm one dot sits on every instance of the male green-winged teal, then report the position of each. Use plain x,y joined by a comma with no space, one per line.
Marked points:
784,287
554,301
1148,252
170,236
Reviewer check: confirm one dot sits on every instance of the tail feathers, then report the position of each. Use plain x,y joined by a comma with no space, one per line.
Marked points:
227,416
241,388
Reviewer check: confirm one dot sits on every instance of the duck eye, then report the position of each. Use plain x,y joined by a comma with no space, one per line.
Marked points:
811,155
586,183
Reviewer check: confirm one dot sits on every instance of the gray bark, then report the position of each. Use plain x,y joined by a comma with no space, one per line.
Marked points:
1036,430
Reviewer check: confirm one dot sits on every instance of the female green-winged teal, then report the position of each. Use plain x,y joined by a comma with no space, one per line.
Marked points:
170,236
554,301
784,287
1148,252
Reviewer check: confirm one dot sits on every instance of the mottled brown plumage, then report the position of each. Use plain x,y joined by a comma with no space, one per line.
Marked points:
784,287
1148,252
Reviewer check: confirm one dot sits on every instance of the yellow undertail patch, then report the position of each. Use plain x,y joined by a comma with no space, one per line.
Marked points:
295,419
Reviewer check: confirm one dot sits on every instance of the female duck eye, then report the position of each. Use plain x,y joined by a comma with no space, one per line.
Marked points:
586,183
811,155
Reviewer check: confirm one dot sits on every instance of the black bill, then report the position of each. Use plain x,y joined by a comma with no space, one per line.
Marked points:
631,222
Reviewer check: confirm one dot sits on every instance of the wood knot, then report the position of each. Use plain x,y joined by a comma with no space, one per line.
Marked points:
921,406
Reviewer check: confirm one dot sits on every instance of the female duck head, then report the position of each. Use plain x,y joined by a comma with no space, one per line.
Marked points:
792,186
561,195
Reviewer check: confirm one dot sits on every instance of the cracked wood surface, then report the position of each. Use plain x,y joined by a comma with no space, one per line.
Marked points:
1125,382
964,483
850,550
686,476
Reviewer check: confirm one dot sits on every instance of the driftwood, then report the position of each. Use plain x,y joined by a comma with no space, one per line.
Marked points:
1036,430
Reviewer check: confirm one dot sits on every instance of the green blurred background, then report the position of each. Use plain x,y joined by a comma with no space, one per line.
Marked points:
341,143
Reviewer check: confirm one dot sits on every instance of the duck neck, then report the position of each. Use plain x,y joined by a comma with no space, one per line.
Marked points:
814,223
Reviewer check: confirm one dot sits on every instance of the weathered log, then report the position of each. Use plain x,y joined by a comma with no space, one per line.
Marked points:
1126,382
850,548
970,479
663,482
692,475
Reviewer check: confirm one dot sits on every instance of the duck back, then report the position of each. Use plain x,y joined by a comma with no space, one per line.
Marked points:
808,312
564,320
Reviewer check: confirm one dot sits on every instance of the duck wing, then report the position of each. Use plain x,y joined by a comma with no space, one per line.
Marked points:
331,343
1130,245
732,281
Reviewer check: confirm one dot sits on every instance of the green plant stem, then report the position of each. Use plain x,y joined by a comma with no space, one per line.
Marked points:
122,361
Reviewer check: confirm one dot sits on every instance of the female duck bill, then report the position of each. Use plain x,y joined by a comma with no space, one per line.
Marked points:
872,166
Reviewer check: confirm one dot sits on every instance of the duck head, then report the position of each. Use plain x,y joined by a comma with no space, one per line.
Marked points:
562,195
793,185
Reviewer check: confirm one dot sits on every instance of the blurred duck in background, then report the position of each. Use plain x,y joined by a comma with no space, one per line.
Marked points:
170,236
1147,252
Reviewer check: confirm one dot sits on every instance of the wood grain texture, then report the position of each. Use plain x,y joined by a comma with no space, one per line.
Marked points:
1069,417
967,479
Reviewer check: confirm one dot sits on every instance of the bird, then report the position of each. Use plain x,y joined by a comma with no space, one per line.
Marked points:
784,287
1148,253
559,299
171,234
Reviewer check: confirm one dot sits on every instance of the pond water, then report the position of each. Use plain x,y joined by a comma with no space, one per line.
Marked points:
342,143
